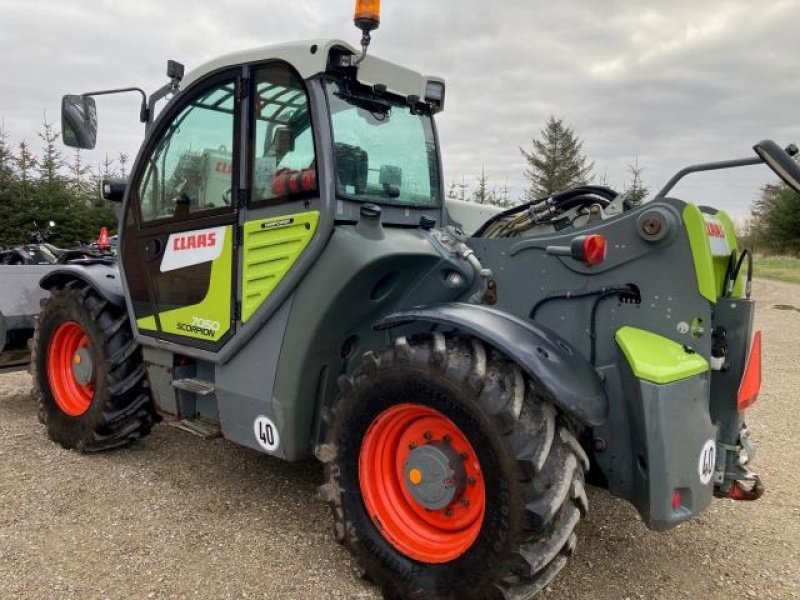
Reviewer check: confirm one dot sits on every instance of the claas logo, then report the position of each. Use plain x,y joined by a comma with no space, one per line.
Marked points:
194,241
223,167
715,230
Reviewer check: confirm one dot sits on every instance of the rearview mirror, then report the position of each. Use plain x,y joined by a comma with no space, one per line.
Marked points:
79,121
780,161
113,189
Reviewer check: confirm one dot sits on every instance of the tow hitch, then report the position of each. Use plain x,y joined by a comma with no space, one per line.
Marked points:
737,481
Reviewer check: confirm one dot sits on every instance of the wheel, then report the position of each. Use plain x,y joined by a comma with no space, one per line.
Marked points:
448,475
88,375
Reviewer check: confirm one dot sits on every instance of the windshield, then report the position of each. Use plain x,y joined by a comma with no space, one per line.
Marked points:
384,153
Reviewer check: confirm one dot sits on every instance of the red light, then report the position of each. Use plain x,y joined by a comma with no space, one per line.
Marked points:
676,500
595,249
751,381
103,241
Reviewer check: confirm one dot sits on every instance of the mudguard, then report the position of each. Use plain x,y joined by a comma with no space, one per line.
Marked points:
567,378
103,277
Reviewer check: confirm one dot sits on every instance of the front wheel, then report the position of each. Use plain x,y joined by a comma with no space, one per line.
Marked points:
448,476
89,379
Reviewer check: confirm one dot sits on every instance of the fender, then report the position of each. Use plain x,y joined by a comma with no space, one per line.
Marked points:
568,379
103,277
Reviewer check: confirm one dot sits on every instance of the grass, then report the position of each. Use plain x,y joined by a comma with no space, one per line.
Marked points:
782,268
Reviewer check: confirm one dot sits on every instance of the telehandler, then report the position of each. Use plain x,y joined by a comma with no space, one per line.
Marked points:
291,277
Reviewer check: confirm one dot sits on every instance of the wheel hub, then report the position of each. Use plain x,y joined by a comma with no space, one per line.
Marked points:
82,366
422,483
70,368
434,475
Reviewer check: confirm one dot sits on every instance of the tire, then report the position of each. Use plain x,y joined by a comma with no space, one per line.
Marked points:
530,462
108,405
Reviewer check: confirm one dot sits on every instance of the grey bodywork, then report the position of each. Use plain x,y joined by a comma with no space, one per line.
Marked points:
361,271
20,295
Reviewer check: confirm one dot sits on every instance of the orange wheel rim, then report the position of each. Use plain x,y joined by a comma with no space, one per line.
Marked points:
392,463
66,349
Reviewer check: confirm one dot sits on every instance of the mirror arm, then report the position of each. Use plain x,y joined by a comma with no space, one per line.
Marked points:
144,111
159,94
713,166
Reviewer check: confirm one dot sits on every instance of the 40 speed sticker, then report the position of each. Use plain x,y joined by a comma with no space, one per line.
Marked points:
266,433
707,462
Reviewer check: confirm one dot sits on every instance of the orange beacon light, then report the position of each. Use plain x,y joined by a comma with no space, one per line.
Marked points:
367,14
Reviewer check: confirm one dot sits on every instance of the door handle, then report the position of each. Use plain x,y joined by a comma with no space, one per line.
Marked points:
153,248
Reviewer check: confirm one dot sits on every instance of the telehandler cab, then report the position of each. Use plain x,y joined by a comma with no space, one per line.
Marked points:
291,277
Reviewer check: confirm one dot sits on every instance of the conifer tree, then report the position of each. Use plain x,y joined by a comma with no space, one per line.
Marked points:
556,162
636,192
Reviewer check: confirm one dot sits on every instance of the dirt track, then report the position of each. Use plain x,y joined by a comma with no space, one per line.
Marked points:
179,517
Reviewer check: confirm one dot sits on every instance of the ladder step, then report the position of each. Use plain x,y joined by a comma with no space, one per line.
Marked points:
195,386
203,429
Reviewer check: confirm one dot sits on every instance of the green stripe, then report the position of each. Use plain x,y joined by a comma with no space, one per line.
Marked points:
658,359
271,248
710,269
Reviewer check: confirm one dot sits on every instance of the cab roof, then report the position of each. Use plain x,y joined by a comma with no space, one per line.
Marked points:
310,58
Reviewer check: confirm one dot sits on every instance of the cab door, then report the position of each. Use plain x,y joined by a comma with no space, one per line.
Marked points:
179,245
284,205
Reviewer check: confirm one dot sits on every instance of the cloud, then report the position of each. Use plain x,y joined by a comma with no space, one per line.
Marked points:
670,83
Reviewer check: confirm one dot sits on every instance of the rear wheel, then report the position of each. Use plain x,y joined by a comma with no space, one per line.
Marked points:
448,476
89,379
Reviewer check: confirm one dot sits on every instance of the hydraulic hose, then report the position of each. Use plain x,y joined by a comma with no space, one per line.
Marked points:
732,273
601,294
748,286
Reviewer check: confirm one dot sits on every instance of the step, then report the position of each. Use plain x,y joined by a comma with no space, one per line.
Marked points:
200,428
201,387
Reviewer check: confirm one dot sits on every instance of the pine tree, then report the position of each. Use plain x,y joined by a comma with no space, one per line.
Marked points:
10,204
79,173
636,193
486,194
25,163
504,196
6,160
107,168
482,194
122,159
50,164
556,161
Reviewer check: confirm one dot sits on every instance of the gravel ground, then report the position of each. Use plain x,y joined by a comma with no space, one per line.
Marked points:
179,517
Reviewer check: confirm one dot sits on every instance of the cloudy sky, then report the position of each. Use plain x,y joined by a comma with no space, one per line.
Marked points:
671,83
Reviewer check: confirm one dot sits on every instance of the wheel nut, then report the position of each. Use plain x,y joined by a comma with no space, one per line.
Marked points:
447,439
464,455
448,512
471,480
427,435
412,446
464,502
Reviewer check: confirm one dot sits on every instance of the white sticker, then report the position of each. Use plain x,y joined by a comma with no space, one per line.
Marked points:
717,238
266,434
193,248
708,462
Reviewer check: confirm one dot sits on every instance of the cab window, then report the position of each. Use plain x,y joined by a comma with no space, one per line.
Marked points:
284,165
190,170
